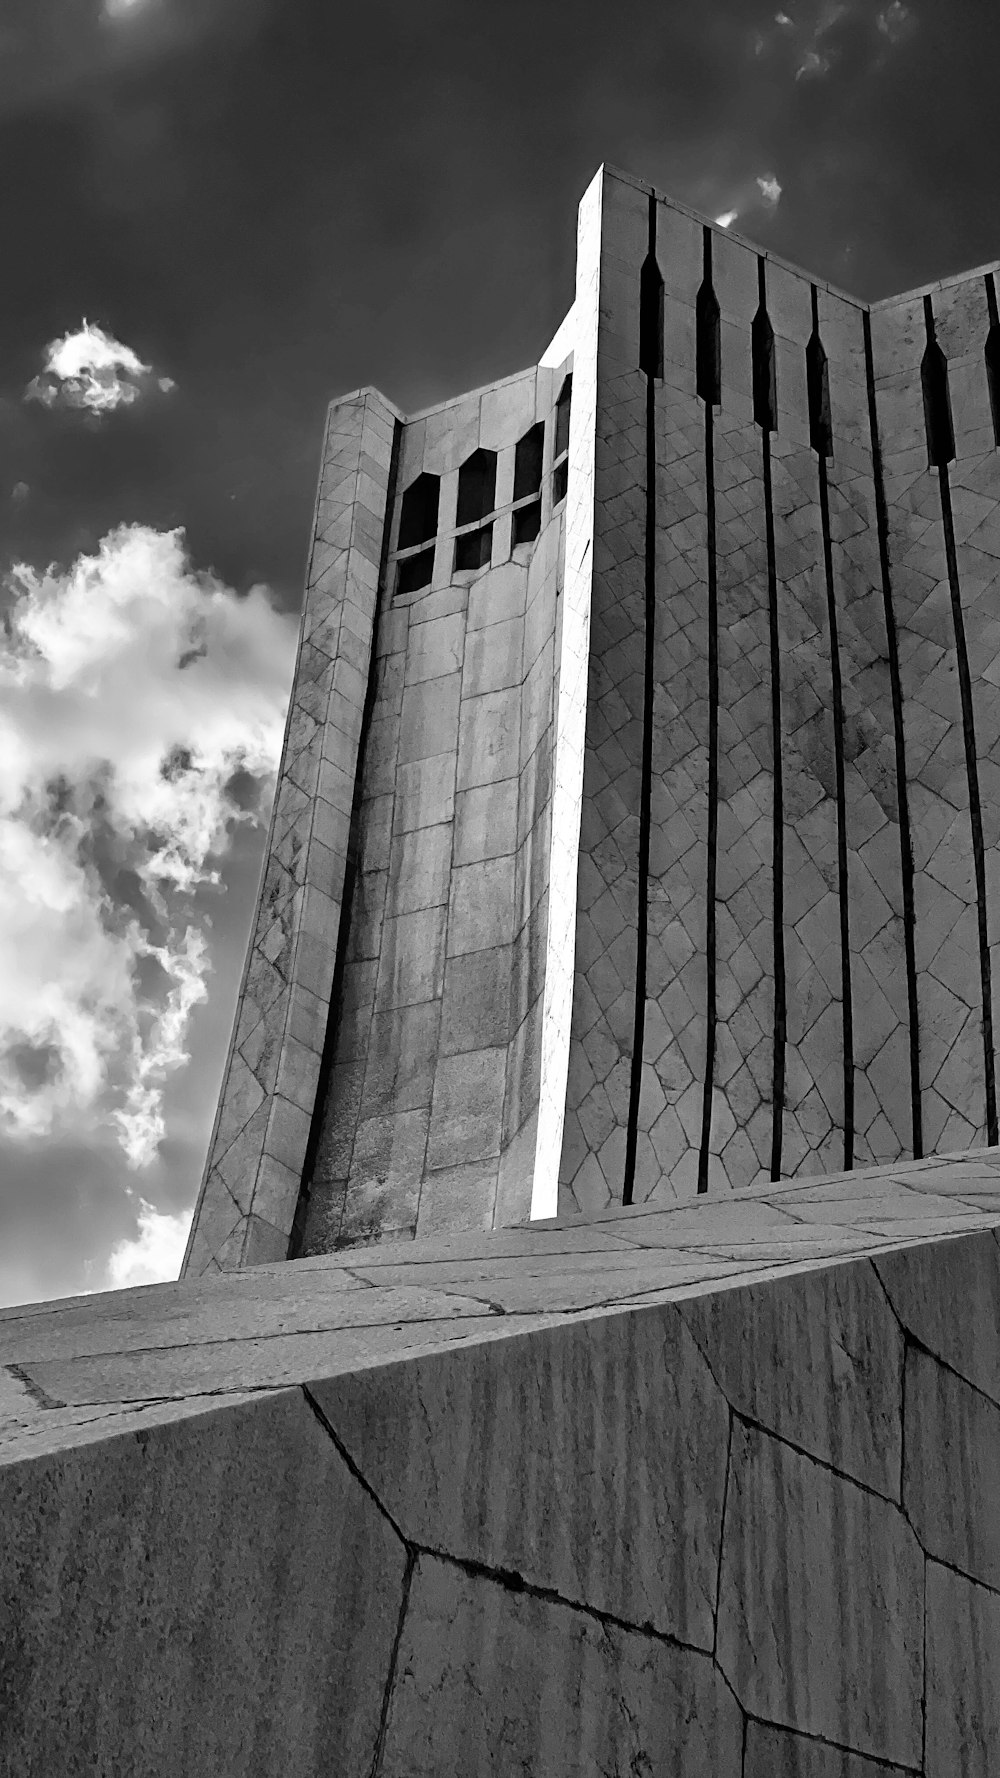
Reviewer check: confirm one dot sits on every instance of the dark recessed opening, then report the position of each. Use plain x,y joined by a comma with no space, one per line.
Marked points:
708,349
937,396
415,572
473,550
526,524
765,376
477,482
418,516
562,417
528,462
560,476
651,318
818,387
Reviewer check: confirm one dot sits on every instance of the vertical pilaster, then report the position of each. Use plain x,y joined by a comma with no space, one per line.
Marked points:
250,1191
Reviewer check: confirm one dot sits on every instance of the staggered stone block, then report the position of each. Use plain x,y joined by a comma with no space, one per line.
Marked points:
701,1491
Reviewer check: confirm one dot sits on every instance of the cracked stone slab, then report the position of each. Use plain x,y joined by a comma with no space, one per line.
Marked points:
146,1580
491,1681
509,1455
821,1602
963,1676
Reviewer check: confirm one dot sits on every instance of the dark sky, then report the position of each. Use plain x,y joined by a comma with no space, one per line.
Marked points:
273,201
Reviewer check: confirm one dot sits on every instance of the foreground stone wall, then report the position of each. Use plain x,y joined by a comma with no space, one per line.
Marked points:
704,1493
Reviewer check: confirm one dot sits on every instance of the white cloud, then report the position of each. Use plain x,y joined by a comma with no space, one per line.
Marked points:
813,64
782,18
770,190
155,1254
89,369
727,219
131,691
895,21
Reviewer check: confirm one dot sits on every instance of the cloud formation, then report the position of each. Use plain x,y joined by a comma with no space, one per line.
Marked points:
152,1255
90,369
135,696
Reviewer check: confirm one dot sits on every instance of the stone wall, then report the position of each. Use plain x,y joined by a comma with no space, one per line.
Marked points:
778,895
701,1492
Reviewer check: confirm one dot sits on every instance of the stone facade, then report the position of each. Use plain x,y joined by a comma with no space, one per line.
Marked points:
657,850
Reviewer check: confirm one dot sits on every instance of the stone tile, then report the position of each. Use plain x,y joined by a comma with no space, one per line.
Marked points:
492,1681
951,1465
429,723
475,1012
425,793
180,1546
399,1074
457,1198
486,822
489,739
841,1656
467,1109
411,968
470,1453
963,1676
481,910
818,1360
420,869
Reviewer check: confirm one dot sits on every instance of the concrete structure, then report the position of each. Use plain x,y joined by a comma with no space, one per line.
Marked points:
638,822
636,839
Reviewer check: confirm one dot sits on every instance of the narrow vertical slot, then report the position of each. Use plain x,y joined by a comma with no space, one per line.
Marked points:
902,789
651,364
993,354
821,438
941,446
708,352
765,413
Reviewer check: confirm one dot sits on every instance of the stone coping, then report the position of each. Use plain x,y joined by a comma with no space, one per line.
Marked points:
73,1368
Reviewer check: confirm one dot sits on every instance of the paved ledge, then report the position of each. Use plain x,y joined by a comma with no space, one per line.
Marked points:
71,1365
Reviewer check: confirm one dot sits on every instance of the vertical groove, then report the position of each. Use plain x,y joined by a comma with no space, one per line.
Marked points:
902,791
765,405
975,805
992,354
351,871
823,442
711,1011
646,792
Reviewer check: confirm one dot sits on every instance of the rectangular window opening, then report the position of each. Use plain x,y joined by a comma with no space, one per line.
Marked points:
414,572
525,524
560,477
473,549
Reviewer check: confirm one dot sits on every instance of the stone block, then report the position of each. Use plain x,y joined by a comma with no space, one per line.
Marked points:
948,1297
467,1108
493,658
457,1198
489,739
420,869
429,723
947,1419
963,1676
481,908
434,649
843,1656
486,822
776,1753
411,967
475,1012
511,1456
153,1632
399,1075
492,1681
425,793
817,1360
